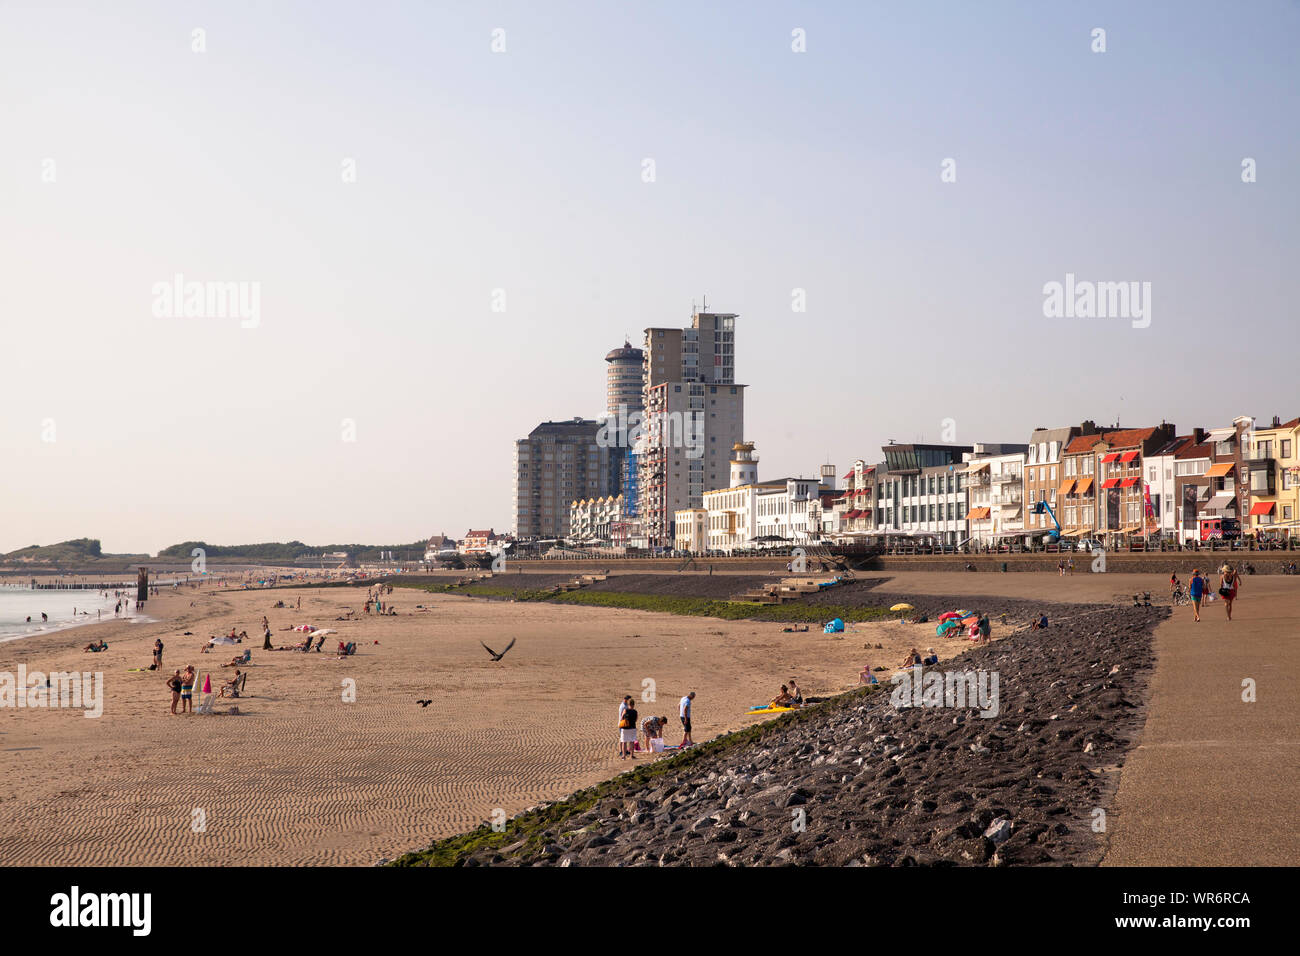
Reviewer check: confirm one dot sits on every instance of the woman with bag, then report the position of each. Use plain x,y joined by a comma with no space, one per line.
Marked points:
627,731
1229,581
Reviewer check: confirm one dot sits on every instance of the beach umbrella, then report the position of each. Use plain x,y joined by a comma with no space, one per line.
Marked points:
902,607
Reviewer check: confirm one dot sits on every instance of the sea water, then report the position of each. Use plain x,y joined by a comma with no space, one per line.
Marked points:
18,604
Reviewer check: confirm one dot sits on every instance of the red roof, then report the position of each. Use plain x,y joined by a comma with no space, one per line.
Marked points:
1115,438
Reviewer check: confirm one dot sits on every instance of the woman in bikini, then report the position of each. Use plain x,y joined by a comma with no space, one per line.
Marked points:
1229,581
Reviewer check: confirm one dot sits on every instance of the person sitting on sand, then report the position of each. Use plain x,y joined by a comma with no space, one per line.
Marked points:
782,699
796,695
866,677
319,641
932,659
912,660
94,648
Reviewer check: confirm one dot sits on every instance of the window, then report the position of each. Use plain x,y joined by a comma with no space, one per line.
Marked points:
1286,448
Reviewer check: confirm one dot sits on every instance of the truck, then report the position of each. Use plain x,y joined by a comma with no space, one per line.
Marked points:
1226,529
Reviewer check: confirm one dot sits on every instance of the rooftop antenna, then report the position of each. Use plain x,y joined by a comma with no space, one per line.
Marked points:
705,307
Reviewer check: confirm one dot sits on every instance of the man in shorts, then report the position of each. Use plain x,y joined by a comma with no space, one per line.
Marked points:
684,711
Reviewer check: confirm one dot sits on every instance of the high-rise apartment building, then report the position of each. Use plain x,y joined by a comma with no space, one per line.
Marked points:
625,405
557,463
694,415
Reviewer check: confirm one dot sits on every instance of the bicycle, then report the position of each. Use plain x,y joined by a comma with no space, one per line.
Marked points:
1180,598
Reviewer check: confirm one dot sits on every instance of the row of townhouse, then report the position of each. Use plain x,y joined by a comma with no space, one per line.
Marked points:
594,520
1080,483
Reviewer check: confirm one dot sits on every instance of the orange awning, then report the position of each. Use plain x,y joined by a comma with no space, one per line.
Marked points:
1221,469
1064,490
1085,485
977,514
1262,508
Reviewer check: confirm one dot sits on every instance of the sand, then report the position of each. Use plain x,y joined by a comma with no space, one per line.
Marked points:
301,777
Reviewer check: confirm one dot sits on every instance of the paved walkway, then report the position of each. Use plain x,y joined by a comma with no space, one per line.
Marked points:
1216,781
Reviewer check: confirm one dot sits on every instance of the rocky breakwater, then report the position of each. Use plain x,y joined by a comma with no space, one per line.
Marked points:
871,779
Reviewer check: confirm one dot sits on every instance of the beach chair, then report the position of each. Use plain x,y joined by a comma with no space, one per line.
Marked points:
205,705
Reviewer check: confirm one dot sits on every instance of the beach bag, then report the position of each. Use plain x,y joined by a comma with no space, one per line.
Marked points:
656,745
1225,591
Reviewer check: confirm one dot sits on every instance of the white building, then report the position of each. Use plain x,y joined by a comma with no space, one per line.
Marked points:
593,519
995,484
752,512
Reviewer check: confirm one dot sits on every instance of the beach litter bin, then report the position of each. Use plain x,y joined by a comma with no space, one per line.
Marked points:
1004,567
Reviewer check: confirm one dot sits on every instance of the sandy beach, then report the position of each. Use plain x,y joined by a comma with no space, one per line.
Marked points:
301,777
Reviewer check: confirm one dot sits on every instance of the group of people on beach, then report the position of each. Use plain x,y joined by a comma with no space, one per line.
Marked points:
653,727
1198,589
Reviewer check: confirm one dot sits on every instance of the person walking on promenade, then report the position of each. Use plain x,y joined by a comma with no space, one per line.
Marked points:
684,712
1196,591
1229,582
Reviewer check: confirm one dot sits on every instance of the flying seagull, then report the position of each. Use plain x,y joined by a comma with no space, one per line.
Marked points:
495,655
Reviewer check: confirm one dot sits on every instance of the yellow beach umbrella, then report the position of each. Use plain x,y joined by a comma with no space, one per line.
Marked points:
902,607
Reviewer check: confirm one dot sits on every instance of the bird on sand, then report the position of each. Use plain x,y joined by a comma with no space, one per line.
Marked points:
495,655
424,703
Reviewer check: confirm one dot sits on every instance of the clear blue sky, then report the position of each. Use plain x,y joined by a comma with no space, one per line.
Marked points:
522,171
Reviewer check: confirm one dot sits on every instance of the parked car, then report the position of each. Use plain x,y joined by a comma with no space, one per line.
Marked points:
1090,545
